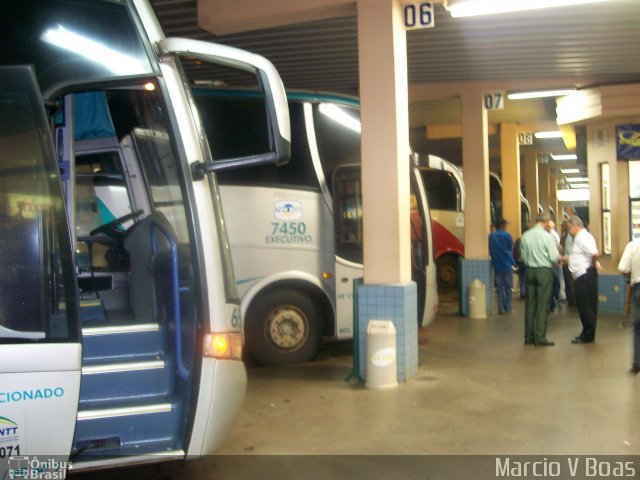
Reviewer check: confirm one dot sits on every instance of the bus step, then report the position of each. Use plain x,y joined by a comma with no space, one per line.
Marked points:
102,454
91,310
109,343
125,383
118,428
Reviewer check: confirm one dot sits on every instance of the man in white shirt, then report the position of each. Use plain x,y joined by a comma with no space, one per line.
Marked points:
555,292
582,265
567,241
630,264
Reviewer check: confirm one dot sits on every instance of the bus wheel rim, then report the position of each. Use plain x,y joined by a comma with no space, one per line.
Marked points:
287,328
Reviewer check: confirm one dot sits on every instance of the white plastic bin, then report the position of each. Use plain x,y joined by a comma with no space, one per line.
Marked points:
382,370
477,299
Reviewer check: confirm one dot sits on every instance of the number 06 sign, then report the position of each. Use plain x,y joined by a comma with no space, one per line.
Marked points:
418,15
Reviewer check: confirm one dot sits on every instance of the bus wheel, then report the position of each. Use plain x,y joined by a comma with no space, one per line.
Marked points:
447,269
284,327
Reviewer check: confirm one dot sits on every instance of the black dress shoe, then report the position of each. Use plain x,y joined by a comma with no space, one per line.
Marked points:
545,343
528,342
581,340
635,369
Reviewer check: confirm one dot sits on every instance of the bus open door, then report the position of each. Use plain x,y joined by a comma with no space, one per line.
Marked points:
40,361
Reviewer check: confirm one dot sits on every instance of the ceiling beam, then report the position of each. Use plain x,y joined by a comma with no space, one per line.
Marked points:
222,17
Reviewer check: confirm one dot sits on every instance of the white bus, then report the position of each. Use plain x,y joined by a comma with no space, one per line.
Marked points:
296,231
120,332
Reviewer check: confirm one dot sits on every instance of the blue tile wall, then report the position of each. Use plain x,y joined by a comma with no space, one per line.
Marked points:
469,270
397,303
612,292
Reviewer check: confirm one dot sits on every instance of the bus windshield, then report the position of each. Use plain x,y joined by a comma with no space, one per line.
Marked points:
443,190
72,41
338,133
37,284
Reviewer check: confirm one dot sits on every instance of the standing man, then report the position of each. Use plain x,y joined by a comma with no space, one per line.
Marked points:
567,242
630,265
501,251
522,267
582,265
555,270
540,254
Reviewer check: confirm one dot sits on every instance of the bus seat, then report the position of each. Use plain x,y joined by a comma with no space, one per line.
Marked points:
142,296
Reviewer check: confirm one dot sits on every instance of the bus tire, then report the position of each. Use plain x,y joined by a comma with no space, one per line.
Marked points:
447,271
284,327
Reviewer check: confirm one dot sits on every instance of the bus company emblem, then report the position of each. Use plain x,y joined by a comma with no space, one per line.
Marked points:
7,427
288,210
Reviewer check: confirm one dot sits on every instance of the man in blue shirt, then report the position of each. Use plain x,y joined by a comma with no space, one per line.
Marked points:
501,251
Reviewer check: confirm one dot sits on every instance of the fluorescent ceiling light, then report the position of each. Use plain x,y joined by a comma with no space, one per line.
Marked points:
577,179
540,94
472,8
555,134
569,156
569,170
573,195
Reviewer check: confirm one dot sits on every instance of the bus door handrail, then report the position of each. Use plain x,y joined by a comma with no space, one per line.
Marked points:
175,288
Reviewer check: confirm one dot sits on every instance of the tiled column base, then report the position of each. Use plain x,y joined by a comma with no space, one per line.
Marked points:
399,304
612,293
469,271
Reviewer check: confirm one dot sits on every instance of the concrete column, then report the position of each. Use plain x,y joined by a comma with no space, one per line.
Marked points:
387,293
385,141
475,164
510,163
477,217
553,197
543,187
531,184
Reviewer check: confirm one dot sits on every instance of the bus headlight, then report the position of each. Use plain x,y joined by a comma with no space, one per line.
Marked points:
227,346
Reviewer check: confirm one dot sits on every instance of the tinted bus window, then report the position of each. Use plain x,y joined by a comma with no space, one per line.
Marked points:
37,282
77,41
347,205
338,133
243,133
443,190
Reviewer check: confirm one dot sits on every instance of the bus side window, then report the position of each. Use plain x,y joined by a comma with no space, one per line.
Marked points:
347,204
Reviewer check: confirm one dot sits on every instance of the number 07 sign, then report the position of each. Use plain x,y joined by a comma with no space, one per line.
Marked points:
417,15
494,101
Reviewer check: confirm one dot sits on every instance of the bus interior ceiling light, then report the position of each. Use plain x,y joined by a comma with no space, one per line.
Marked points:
552,134
472,8
116,62
336,114
568,156
540,94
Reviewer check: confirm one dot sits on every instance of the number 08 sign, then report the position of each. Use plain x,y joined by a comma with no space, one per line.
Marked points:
417,15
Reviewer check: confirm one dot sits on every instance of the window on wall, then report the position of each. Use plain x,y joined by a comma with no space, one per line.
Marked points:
634,197
605,196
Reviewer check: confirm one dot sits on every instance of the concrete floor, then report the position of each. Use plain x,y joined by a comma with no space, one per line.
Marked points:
480,391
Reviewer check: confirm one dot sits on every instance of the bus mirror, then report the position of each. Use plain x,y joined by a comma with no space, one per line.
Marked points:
197,56
200,169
